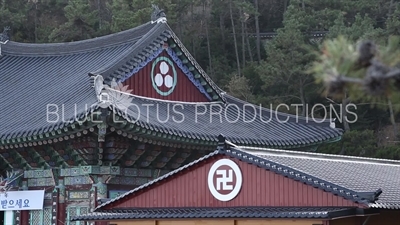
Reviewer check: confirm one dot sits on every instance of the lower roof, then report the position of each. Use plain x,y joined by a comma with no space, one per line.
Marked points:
229,212
369,182
359,174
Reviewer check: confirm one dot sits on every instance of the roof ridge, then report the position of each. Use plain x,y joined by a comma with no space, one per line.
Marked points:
322,156
194,62
139,50
61,48
358,197
163,100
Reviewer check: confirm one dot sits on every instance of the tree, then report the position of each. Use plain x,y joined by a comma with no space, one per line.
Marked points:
288,59
80,25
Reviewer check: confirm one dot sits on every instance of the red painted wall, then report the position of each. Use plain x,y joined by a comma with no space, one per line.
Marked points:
185,91
260,188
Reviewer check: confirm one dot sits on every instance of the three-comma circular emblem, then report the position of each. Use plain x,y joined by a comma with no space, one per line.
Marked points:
225,180
163,76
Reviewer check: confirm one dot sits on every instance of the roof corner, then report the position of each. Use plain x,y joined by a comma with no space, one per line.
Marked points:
4,37
158,15
371,197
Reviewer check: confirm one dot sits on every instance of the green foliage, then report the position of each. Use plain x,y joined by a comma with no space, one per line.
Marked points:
80,23
354,143
337,68
361,143
288,58
390,152
239,87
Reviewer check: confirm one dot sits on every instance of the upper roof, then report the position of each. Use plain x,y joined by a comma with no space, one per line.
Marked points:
371,182
40,77
47,90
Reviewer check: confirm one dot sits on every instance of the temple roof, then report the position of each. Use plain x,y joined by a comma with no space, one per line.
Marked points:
47,89
367,181
250,125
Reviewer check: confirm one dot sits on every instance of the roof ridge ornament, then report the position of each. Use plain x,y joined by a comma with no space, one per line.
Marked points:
4,37
158,15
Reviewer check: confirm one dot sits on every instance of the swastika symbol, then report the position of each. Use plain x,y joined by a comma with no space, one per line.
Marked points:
226,177
224,180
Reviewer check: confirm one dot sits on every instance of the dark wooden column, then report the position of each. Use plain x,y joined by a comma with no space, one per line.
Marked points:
24,214
24,217
61,206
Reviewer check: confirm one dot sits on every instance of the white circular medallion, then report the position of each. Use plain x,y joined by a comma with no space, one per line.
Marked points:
159,80
164,68
225,180
168,81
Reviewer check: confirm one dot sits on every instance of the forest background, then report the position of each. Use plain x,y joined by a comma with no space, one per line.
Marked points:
257,50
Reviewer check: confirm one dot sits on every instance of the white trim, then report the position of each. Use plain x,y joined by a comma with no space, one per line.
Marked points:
160,20
161,100
2,43
317,156
9,217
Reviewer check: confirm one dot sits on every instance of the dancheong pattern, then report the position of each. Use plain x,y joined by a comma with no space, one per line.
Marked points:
75,211
35,217
40,217
47,216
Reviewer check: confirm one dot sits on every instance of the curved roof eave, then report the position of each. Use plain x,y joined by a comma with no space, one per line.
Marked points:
74,47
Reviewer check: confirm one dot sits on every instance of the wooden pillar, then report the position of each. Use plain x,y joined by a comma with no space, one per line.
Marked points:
24,214
24,217
101,188
100,193
61,207
54,207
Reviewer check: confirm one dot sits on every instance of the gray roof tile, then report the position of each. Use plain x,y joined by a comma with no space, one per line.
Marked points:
354,173
212,212
160,116
35,76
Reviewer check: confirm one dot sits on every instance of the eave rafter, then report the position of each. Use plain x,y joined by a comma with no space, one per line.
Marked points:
51,136
81,150
73,158
4,163
33,157
166,140
115,147
133,153
15,159
137,132
56,159
162,136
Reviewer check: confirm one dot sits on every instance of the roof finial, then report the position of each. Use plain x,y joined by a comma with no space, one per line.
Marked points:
158,15
222,142
4,37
